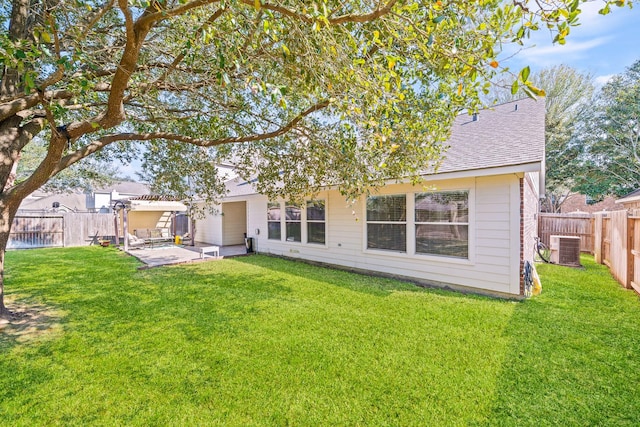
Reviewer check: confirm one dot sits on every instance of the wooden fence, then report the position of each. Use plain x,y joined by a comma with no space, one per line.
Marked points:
617,245
36,232
58,230
567,225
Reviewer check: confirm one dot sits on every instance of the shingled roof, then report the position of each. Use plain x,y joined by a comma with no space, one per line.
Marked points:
508,134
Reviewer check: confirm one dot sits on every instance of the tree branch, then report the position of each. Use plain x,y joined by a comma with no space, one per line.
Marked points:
10,108
360,18
181,56
151,18
99,144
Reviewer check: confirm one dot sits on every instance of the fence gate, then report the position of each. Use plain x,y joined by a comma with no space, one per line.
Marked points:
36,232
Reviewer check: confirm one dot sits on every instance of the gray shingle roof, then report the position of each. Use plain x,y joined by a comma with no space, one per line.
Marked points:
504,135
509,134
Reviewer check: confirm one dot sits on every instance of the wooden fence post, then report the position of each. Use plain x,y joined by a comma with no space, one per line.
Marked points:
630,252
597,239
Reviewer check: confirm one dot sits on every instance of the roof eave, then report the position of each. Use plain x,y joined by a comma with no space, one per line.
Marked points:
522,168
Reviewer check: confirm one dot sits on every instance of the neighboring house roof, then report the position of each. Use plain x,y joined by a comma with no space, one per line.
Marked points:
631,197
506,135
44,202
125,187
78,200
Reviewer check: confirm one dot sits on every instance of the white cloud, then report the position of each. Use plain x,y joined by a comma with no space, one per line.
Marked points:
573,48
592,45
602,80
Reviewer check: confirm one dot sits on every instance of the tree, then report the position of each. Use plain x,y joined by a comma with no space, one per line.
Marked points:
611,160
88,174
568,97
306,92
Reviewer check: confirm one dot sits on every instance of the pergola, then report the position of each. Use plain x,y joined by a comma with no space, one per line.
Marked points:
146,203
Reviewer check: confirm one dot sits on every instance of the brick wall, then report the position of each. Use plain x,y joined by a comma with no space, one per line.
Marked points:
578,202
528,222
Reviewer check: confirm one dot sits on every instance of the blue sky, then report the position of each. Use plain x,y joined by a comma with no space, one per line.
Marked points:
601,45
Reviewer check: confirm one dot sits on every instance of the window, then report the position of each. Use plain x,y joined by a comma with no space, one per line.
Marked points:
442,223
387,223
293,222
315,221
273,220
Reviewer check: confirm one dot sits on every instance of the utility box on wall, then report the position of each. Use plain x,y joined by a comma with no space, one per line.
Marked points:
565,250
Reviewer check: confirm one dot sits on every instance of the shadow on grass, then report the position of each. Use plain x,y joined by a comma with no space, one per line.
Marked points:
103,290
353,281
573,356
28,322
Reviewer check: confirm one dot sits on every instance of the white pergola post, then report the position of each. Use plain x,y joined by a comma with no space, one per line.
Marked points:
126,229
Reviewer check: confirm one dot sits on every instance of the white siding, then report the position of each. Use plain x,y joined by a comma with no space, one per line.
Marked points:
209,228
494,237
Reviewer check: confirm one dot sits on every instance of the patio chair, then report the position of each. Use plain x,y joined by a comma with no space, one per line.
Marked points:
135,241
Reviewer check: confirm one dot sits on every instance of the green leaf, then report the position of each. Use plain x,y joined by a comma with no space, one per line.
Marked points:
524,73
514,87
29,82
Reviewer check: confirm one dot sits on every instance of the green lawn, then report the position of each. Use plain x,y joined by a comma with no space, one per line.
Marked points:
263,341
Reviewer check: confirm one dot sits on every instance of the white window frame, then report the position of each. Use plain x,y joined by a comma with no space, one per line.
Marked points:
468,186
404,223
303,223
308,221
272,221
287,221
440,223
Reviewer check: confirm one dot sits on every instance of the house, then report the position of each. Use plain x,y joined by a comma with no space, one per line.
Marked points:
583,203
630,202
98,200
470,227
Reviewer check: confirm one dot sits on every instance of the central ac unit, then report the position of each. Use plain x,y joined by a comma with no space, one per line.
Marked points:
565,250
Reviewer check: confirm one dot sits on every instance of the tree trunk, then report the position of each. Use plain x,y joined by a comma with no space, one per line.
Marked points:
8,211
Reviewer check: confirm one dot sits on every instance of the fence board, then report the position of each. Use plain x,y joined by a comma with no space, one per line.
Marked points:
81,227
619,233
568,225
618,258
606,241
635,252
58,230
597,238
36,232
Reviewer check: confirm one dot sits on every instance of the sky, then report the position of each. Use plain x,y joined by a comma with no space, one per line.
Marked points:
601,45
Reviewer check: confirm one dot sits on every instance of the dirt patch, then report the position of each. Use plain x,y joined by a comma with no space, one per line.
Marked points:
29,321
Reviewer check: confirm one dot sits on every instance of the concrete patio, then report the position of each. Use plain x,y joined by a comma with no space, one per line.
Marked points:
172,254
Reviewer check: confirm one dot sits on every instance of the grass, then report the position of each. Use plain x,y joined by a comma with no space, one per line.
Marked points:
264,341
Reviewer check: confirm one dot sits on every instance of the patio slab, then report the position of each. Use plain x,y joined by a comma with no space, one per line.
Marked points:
171,254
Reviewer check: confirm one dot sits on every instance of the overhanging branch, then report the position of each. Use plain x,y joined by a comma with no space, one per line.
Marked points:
13,107
99,144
